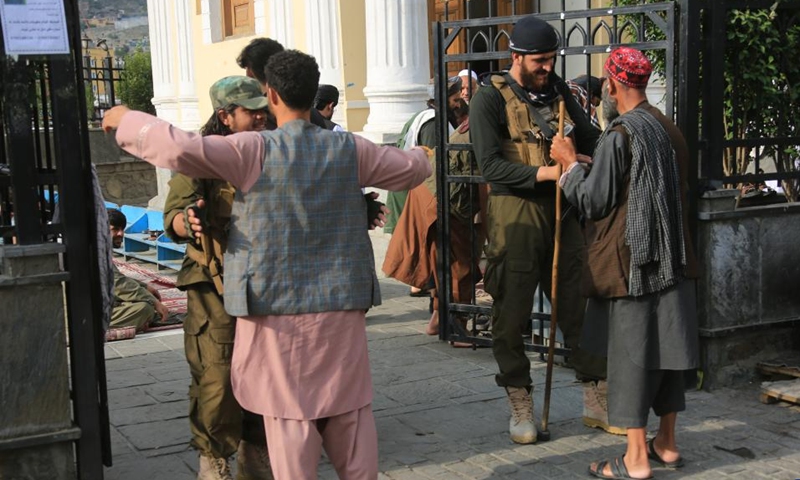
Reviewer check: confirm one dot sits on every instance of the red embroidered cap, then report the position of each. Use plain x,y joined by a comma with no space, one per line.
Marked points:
629,67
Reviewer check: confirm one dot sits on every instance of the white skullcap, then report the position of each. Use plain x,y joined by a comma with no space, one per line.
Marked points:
465,72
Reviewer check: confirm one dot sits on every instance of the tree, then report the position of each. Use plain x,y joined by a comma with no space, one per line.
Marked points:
136,85
89,94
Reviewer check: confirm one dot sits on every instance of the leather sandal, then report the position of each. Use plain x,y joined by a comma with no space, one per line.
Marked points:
618,469
652,455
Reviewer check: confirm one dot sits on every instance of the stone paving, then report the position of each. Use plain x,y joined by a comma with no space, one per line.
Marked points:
440,416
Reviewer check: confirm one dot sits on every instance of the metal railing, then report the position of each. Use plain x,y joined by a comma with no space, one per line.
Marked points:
102,77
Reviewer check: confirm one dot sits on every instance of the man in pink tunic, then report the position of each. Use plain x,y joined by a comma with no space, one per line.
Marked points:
299,266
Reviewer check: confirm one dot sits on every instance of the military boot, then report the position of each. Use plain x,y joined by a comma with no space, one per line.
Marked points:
595,407
252,462
521,426
212,468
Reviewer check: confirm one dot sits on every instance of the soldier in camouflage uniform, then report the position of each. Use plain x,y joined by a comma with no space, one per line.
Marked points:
219,425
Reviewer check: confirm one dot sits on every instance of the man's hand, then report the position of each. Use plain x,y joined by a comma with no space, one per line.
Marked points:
193,219
563,151
376,211
162,310
113,117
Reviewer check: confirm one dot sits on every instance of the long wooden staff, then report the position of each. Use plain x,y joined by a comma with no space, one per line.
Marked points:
544,434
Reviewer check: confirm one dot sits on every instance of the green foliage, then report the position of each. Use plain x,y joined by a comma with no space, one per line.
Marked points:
136,87
762,75
652,33
762,82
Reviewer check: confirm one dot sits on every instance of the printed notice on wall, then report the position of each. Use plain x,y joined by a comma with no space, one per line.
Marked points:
34,27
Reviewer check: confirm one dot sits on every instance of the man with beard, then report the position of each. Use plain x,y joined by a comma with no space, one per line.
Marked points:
512,120
412,253
640,261
219,425
136,304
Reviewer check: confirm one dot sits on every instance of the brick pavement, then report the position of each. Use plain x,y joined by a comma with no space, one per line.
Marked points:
440,416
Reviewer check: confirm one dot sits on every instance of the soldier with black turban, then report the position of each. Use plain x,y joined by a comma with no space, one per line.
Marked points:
513,119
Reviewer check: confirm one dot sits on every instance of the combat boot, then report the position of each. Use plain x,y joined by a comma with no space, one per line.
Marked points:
212,468
252,462
595,407
521,426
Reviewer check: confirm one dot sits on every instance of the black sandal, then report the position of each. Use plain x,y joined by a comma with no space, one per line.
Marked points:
652,455
618,469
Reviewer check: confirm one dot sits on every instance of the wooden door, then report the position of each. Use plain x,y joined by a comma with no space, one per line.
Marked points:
447,10
507,8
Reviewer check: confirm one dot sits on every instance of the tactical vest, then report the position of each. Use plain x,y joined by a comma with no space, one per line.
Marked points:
527,145
210,249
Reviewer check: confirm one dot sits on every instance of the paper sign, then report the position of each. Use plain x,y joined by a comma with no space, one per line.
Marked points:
34,27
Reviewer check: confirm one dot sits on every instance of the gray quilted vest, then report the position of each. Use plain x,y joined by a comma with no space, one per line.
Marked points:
298,241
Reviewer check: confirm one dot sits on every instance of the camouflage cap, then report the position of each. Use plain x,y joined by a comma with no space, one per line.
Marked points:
237,90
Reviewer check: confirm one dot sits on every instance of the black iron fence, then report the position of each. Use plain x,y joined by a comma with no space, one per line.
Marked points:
474,36
751,98
102,76
28,176
44,162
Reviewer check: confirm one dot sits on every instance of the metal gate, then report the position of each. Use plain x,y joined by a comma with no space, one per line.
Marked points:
44,148
587,34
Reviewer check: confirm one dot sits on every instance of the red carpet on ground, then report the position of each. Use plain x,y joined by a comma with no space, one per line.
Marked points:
171,297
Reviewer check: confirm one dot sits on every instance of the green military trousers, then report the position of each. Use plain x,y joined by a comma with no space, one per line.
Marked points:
520,257
217,421
133,314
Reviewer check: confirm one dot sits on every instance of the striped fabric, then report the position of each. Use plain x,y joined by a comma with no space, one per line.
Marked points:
298,241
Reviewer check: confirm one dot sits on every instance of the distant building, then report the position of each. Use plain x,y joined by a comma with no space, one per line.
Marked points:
130,22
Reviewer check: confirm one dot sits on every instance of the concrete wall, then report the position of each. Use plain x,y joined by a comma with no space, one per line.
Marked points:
124,179
36,429
748,294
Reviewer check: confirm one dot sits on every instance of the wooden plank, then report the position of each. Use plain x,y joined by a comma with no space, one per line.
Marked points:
787,391
781,366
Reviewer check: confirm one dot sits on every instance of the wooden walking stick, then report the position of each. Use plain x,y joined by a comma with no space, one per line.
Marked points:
544,433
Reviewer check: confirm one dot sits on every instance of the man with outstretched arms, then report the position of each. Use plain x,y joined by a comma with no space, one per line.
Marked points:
299,269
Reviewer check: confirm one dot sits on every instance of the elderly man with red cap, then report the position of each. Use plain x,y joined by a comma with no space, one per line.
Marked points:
513,120
640,263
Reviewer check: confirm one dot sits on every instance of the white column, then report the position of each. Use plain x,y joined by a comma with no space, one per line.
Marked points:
259,12
280,22
397,65
159,30
322,41
165,89
187,96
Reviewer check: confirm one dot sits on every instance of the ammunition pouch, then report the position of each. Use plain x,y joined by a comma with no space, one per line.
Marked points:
529,144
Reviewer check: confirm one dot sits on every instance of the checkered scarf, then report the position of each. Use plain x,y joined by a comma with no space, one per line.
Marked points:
654,226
